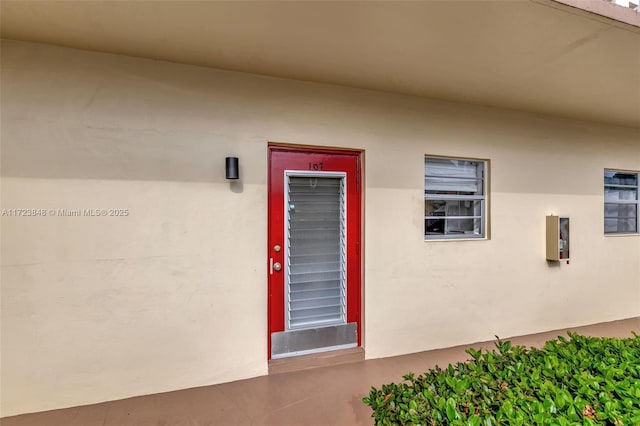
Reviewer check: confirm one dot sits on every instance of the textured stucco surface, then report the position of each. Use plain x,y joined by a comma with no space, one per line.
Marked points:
173,295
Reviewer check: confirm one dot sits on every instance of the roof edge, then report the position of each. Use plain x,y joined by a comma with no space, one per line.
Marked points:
608,10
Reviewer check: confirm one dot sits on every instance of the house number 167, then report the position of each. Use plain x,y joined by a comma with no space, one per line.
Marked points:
315,166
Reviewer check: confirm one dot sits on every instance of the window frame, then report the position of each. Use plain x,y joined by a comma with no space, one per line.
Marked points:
635,202
483,198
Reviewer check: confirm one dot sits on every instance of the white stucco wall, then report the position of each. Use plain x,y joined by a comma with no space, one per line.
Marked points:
174,294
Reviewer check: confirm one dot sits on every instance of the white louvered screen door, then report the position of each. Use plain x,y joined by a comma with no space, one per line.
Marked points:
315,289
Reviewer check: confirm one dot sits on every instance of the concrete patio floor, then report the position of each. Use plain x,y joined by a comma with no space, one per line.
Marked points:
321,396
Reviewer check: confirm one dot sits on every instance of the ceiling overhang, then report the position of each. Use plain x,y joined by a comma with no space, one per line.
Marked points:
533,55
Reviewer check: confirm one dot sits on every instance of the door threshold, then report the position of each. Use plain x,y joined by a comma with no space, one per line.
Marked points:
316,360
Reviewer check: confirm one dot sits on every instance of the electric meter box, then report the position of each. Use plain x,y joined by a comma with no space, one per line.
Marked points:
558,238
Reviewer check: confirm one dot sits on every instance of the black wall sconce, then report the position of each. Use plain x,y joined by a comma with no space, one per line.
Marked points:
232,168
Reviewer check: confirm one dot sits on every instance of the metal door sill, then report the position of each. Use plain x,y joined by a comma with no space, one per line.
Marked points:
325,358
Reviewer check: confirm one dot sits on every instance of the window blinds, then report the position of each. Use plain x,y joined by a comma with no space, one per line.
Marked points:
444,175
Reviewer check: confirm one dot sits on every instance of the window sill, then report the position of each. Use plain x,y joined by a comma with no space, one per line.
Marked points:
428,240
625,234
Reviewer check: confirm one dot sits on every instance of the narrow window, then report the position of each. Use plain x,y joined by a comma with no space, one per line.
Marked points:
620,202
454,198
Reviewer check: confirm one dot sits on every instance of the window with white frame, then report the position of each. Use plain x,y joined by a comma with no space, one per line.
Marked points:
454,198
620,202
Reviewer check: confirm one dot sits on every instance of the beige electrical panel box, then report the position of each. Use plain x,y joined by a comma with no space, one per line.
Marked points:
558,238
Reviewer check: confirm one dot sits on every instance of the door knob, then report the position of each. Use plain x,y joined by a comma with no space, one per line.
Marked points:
277,266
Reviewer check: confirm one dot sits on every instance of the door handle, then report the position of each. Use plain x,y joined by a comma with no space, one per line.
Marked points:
274,266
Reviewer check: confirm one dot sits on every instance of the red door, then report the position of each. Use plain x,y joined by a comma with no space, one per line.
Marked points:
314,255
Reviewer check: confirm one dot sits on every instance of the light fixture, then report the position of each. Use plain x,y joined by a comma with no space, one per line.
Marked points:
232,168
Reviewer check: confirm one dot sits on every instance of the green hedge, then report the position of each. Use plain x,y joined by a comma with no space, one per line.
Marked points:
577,381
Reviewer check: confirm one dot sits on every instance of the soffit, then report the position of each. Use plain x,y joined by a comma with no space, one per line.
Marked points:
532,55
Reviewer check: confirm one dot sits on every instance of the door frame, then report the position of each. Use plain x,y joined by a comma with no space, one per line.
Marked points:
358,154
